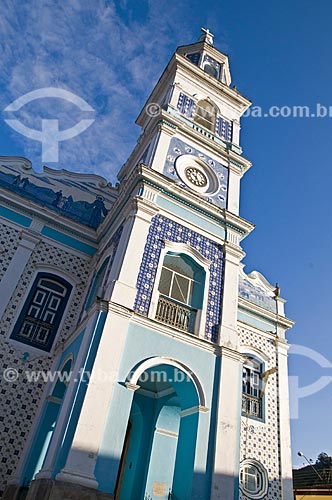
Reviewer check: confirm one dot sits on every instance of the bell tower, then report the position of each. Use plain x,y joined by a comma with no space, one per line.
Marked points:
191,125
179,388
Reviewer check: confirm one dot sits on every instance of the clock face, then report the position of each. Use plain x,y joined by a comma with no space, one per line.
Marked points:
195,176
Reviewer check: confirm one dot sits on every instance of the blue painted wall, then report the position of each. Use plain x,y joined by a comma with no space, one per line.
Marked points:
15,217
143,343
75,405
256,321
46,427
184,465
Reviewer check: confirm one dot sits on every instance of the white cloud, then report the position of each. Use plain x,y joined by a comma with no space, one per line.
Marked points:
109,53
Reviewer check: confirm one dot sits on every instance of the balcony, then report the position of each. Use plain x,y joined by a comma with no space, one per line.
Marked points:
251,406
176,315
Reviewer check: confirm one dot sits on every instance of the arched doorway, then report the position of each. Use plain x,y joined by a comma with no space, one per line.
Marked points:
159,450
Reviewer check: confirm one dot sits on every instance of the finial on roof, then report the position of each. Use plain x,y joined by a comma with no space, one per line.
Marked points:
207,36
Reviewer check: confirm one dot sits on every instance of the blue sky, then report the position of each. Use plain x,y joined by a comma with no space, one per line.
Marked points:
112,53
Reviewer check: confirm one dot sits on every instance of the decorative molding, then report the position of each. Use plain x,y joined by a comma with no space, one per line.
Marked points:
132,387
179,150
167,330
135,373
165,432
80,197
265,314
194,409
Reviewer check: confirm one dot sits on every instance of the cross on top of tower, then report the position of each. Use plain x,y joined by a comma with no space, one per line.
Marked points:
207,36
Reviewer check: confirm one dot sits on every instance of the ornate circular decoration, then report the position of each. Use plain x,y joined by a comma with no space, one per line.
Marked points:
196,174
253,479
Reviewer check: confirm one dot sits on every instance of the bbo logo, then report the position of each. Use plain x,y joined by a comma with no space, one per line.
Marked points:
50,135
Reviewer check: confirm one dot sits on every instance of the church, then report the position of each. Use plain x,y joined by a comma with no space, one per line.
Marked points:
139,360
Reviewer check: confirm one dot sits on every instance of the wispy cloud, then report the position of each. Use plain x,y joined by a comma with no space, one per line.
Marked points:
110,53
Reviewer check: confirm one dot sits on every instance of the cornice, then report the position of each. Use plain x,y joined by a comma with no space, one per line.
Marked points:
196,202
171,123
257,310
187,338
282,344
233,250
35,211
180,61
234,95
164,329
142,175
120,310
232,354
141,205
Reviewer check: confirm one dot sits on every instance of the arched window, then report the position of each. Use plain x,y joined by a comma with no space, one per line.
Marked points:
251,388
181,288
42,312
206,114
211,69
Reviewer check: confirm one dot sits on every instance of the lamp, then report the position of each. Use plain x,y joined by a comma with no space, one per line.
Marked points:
300,454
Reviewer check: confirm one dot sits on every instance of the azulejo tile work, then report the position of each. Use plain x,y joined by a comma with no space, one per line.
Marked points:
194,58
9,242
81,201
164,229
21,398
213,62
187,106
177,148
260,440
256,294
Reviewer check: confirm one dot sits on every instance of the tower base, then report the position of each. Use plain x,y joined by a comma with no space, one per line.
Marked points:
48,489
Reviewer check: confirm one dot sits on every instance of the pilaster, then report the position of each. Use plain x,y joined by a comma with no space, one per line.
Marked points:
233,201
165,133
130,251
227,440
68,405
284,418
82,457
228,336
27,244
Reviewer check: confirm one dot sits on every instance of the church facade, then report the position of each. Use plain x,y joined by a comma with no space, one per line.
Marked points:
139,360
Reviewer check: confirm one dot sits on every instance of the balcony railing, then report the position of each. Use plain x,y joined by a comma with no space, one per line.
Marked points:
176,315
251,406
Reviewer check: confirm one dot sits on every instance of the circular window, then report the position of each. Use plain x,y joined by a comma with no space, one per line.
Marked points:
253,479
196,174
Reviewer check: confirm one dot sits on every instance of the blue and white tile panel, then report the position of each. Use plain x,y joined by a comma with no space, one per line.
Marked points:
256,294
176,148
166,229
186,105
213,62
224,128
194,58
